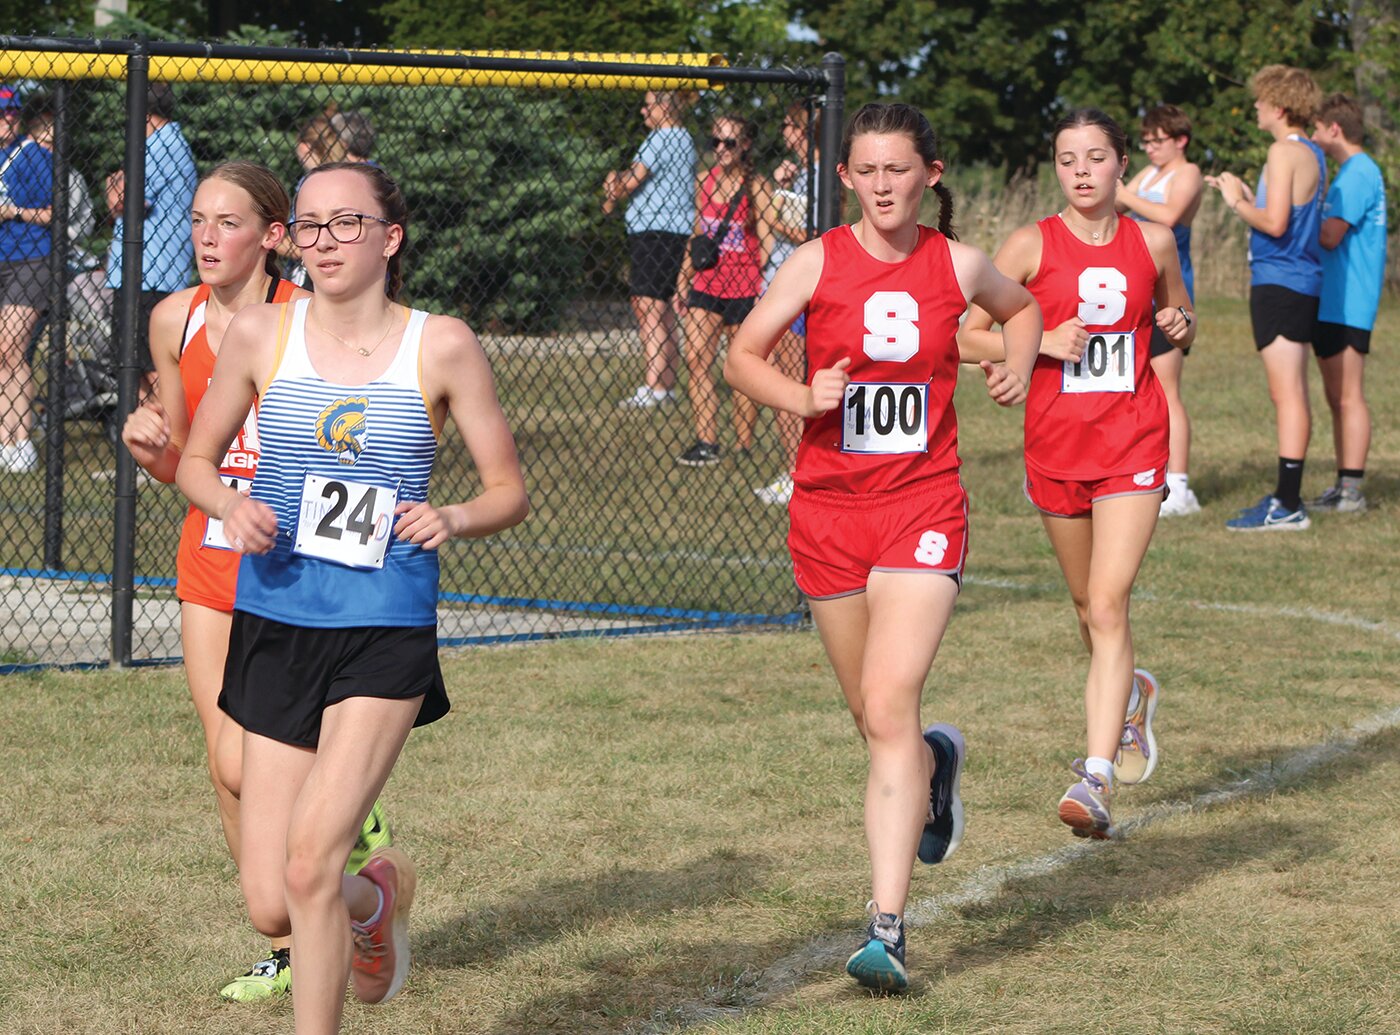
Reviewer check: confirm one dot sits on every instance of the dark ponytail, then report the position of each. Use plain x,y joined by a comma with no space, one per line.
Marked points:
945,211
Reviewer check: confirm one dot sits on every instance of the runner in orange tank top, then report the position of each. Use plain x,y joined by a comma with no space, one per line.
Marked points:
1097,430
239,218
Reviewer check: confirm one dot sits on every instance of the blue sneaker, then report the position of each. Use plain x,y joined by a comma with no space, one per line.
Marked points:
879,962
1270,515
943,830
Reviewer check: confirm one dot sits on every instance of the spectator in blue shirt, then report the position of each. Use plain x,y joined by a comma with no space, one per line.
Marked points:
1353,272
659,188
26,206
168,249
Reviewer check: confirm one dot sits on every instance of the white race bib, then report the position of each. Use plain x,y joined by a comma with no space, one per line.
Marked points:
214,537
1107,365
885,417
346,522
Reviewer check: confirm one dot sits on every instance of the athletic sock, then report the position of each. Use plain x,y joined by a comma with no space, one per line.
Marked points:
1177,483
378,909
1351,478
1290,483
1100,767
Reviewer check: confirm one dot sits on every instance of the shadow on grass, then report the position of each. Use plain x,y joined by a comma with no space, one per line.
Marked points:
1027,914
484,936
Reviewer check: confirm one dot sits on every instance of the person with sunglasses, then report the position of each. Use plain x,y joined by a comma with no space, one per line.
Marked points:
733,205
333,648
1168,191
878,514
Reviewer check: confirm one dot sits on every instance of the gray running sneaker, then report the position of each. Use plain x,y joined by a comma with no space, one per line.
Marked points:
1084,808
1342,500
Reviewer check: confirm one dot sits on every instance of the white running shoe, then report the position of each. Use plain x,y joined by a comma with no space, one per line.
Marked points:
1180,504
645,398
776,493
19,458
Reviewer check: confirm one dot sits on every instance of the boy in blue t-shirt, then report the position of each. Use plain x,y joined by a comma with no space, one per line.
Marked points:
1353,272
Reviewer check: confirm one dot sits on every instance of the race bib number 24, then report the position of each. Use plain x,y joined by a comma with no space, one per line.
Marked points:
346,522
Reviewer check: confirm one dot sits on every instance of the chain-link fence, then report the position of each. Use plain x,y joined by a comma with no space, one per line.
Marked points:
508,164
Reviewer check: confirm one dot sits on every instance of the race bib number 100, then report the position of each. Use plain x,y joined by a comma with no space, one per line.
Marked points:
346,522
214,537
885,417
1107,365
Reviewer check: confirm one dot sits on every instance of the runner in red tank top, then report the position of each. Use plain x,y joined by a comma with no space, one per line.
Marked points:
239,217
878,514
1096,430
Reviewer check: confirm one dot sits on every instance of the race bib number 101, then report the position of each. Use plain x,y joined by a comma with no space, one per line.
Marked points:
346,522
1107,365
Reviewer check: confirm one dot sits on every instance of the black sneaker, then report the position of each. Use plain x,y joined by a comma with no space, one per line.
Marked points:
702,454
943,830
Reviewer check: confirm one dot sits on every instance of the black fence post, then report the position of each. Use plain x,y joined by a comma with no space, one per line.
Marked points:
56,404
833,122
128,374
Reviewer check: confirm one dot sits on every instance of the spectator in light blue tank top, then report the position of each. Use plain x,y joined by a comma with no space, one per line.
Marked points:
659,188
1285,275
1168,191
1353,274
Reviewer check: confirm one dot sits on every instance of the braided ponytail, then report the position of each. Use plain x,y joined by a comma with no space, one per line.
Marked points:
945,211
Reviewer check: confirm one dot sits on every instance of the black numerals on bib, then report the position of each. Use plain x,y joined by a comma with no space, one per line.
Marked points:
361,519
1101,352
886,409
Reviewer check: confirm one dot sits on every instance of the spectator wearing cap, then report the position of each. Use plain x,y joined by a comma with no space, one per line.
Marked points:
26,207
168,249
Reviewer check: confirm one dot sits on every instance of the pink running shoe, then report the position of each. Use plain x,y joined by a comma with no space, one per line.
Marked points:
381,949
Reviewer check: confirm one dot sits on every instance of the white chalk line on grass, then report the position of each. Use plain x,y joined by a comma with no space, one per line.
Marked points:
986,883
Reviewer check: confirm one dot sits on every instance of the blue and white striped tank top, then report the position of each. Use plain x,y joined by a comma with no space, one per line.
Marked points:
378,434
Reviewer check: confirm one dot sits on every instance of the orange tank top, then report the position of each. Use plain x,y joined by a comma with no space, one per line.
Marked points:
206,569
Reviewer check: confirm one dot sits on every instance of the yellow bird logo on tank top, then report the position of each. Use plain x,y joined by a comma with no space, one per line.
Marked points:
342,428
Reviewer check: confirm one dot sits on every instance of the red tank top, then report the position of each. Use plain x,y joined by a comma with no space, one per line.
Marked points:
897,322
207,574
738,273
1105,415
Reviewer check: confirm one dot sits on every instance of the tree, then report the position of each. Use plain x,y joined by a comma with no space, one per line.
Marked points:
993,76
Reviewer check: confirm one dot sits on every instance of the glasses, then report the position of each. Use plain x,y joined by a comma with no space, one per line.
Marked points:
347,229
718,142
1153,142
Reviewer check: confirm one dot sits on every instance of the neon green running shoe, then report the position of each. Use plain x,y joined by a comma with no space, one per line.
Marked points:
374,834
271,976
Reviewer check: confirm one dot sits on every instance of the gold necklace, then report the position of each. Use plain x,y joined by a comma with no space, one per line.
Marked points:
358,348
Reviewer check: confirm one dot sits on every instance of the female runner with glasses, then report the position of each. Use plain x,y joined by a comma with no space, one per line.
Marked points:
238,222
333,654
878,513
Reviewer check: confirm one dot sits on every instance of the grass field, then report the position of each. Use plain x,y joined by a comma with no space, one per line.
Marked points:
657,835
